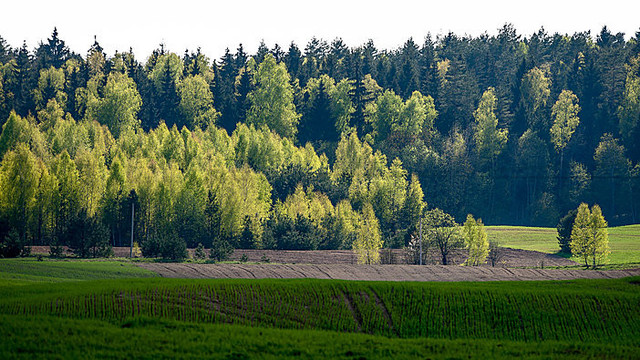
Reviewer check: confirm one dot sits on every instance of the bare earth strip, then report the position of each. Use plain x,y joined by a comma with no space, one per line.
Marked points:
375,272
511,257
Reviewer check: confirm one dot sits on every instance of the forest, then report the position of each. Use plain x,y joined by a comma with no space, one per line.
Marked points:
313,148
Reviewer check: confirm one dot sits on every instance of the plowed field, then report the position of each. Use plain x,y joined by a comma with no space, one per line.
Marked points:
375,272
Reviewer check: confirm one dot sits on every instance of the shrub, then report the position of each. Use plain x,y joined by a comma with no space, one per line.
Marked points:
199,254
168,246
56,250
564,231
12,246
220,250
88,237
496,252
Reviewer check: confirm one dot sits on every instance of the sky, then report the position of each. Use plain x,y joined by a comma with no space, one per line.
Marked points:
216,25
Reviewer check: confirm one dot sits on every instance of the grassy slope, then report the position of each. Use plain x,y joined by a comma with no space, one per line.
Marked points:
29,270
40,337
623,240
575,319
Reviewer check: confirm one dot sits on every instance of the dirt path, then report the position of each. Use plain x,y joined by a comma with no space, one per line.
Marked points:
375,272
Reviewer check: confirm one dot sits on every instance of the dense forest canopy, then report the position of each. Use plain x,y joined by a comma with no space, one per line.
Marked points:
316,147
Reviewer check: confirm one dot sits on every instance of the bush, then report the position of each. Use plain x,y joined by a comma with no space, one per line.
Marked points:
167,246
220,250
174,248
496,253
564,227
56,250
12,246
88,237
285,233
199,254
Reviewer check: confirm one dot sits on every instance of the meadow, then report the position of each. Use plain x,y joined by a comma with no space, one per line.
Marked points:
136,317
624,241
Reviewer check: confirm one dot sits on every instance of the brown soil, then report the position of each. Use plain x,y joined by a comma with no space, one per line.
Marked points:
511,257
375,272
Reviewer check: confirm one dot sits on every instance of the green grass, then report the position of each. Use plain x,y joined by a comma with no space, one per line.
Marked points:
143,338
29,270
57,310
624,241
587,310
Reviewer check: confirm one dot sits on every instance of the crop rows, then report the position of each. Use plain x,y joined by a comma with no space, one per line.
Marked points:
402,310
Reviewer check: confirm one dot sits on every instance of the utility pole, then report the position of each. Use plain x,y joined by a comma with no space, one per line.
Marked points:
421,240
133,207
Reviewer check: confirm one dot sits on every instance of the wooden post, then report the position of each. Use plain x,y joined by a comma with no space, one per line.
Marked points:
133,207
421,240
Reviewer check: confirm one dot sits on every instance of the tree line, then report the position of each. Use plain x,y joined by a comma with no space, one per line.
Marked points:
314,148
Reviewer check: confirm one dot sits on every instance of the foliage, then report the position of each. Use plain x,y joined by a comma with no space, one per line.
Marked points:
442,231
496,253
589,235
564,228
168,246
389,127
565,114
221,250
493,311
475,238
272,100
199,253
367,243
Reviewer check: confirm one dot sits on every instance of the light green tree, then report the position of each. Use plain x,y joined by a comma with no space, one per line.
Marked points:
535,90
629,110
16,130
272,100
490,141
341,105
50,86
19,178
119,106
67,196
565,121
196,102
589,236
170,63
92,175
475,237
368,241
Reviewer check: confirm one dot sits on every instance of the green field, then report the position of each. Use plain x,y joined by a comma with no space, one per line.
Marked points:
623,240
180,318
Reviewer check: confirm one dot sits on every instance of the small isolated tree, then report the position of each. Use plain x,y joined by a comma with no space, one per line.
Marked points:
496,252
443,232
220,250
589,236
475,237
368,242
564,227
199,254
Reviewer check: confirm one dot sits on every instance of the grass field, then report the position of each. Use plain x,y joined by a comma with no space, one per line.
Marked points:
29,270
623,240
80,317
